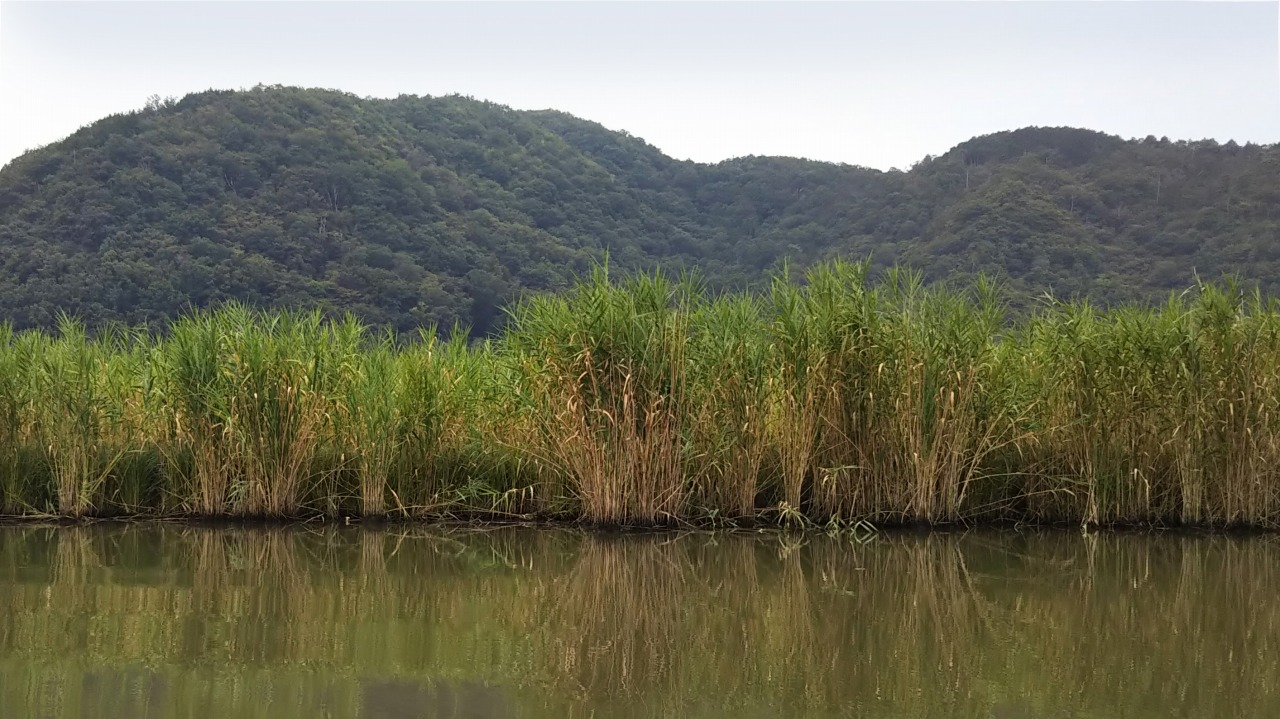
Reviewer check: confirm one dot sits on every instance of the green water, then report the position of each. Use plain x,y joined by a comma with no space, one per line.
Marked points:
160,621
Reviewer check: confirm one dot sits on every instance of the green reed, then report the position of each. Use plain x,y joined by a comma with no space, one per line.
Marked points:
831,400
602,379
729,384
1166,413
26,483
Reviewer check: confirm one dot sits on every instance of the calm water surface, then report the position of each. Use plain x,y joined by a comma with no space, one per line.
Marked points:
157,621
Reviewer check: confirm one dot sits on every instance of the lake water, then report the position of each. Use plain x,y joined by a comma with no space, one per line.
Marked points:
157,621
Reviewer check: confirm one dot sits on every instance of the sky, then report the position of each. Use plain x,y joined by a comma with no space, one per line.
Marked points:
879,84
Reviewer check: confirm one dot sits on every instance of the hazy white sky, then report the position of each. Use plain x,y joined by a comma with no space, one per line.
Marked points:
879,84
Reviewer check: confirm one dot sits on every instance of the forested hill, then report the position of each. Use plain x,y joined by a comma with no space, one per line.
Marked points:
439,210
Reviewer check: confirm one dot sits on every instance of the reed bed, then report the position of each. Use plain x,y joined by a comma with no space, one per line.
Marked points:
832,400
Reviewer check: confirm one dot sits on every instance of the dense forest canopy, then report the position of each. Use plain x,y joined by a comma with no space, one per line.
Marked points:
418,210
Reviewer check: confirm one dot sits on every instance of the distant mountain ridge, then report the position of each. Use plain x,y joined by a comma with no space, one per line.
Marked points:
416,211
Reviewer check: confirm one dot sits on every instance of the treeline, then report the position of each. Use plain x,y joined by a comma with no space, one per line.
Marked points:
648,401
417,211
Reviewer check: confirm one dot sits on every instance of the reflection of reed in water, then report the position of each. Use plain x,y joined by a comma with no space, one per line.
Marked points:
903,623
561,624
398,699
372,573
789,624
646,625
1194,613
211,569
614,626
74,562
248,593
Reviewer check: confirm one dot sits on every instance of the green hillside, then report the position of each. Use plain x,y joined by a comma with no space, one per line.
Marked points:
414,211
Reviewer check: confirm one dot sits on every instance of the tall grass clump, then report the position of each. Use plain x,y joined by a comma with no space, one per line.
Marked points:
442,409
196,384
248,408
602,374
19,353
132,483
933,425
798,376
729,377
1234,386
79,413
1155,413
278,375
881,394
1102,412
370,424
